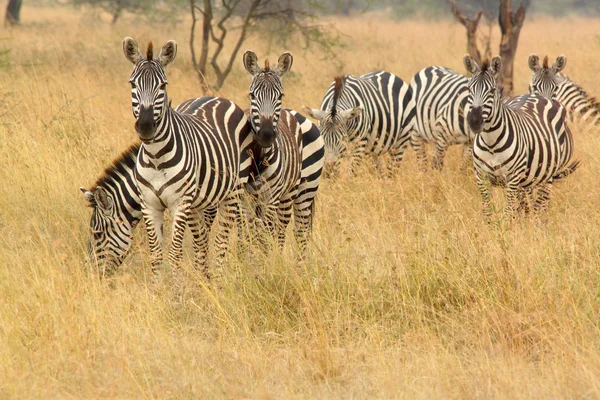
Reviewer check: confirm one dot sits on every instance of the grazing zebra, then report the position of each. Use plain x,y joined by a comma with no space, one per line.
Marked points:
517,146
545,79
187,163
551,83
440,102
291,158
116,203
372,113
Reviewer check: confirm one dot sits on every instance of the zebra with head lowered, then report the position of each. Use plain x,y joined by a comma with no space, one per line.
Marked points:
551,83
116,203
290,153
516,146
440,103
371,113
188,163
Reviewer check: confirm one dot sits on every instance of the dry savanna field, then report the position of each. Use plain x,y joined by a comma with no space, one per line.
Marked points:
406,292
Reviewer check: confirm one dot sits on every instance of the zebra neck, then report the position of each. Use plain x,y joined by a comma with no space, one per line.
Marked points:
496,126
164,140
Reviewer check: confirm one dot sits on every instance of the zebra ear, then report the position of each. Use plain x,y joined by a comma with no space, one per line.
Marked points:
131,50
102,199
167,53
284,64
89,195
496,65
534,62
352,113
316,114
251,62
470,64
559,64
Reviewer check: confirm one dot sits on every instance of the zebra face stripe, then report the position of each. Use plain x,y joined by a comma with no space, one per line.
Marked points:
545,79
266,94
148,97
482,95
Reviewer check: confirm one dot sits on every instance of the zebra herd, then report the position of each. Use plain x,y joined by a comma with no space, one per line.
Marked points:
257,168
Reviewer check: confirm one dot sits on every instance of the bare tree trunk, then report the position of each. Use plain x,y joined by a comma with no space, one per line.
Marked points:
200,65
471,26
510,26
13,12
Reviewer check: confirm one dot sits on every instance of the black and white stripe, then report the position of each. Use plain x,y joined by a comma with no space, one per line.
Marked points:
367,114
551,83
440,103
187,163
520,146
116,203
287,175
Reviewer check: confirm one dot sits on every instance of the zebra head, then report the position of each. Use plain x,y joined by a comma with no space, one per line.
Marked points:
148,85
483,92
545,80
337,123
266,93
110,234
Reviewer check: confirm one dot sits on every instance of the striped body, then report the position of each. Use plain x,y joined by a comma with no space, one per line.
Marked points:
288,173
368,114
522,145
114,227
576,100
440,103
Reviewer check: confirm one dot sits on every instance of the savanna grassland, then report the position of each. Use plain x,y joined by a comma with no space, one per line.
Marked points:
406,293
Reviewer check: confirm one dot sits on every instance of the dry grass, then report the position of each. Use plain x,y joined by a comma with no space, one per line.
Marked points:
406,292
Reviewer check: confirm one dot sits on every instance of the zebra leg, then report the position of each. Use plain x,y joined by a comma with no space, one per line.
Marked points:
284,215
543,197
397,152
303,215
153,219
200,223
417,143
180,221
512,197
437,162
484,190
227,217
467,155
523,197
357,156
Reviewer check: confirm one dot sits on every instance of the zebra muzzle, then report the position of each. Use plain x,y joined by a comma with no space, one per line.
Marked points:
266,134
475,119
145,125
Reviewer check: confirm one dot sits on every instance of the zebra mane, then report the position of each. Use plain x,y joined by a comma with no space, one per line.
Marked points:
128,158
149,52
338,88
485,65
267,67
545,62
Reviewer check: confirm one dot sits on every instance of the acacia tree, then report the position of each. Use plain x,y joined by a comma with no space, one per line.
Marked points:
117,7
284,17
510,26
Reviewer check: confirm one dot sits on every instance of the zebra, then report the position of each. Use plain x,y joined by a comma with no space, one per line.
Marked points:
290,151
549,80
545,79
116,202
367,114
440,102
516,146
187,163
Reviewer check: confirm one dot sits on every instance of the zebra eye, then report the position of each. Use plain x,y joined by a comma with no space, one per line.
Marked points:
163,86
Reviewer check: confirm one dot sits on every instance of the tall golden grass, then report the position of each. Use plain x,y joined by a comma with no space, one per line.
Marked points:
406,292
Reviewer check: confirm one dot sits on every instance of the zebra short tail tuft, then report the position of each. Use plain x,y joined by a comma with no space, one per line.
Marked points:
569,169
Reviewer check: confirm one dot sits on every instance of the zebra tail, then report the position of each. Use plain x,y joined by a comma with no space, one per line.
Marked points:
569,169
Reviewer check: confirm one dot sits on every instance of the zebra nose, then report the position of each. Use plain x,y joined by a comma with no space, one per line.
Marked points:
145,125
266,133
475,119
